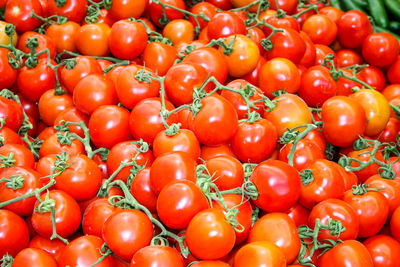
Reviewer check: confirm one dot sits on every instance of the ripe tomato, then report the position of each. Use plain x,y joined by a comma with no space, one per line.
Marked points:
74,10
209,236
224,24
383,250
209,152
185,141
127,231
35,257
23,156
331,12
142,191
348,253
8,74
156,11
51,105
159,57
157,255
227,172
305,153
393,72
259,253
389,188
121,9
14,233
63,35
92,39
72,115
348,57
12,112
380,49
67,215
84,249
178,31
395,224
279,229
321,29
373,77
298,214
208,9
279,74
53,247
321,51
210,264
353,27
18,12
43,42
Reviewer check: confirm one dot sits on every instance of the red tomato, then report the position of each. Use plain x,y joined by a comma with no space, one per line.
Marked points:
395,224
53,247
258,254
321,29
389,188
121,9
23,156
227,172
331,12
209,152
92,39
157,255
142,191
43,42
72,115
380,49
224,24
35,257
308,58
51,105
374,77
11,112
14,233
383,250
8,74
364,156
185,141
63,35
208,9
393,72
305,153
353,27
298,214
159,57
18,12
74,10
348,57
321,51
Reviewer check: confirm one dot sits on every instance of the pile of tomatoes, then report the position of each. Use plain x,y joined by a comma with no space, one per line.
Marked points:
213,133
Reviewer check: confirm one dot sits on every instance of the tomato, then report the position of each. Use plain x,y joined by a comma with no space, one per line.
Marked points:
308,58
290,111
157,255
208,9
109,125
8,74
209,152
159,57
353,27
281,23
31,182
145,120
224,24
23,156
4,38
391,91
35,257
210,264
84,66
67,215
335,209
72,115
178,202
12,112
345,86
227,172
278,185
393,72
343,114
305,153
33,83
63,35
376,108
287,44
172,166
125,152
383,250
212,60
121,9
326,182
51,105
209,236
216,122
298,214
14,233
348,57
179,30
53,247
127,39
254,142
321,29
142,191
84,250
317,86
18,12
380,49
185,141
127,231
259,253
43,42
286,5
348,253
389,188
181,80
279,229
92,39
331,12
321,51
395,224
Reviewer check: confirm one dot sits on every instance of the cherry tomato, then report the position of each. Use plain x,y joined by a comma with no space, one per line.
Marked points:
72,115
185,141
305,153
51,105
259,253
389,188
14,233
157,255
393,72
179,30
224,24
121,9
227,172
159,57
43,42
11,112
208,9
53,247
18,12
92,39
321,29
8,74
35,257
353,27
383,249
380,49
142,191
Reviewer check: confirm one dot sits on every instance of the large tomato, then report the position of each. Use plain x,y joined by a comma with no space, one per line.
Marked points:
14,233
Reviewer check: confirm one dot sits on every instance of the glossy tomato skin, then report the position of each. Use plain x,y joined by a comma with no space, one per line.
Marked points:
254,142
170,201
374,77
348,57
22,155
51,145
380,49
127,231
395,224
18,12
36,258
363,155
353,27
216,122
159,57
258,254
178,31
53,247
279,229
383,250
74,10
142,191
67,214
185,141
348,253
389,188
343,114
227,171
298,214
51,105
305,153
224,24
156,11
92,39
278,185
393,72
63,36
8,73
84,250
209,235
121,9
72,115
321,29
14,233
109,125
12,112
157,255
43,42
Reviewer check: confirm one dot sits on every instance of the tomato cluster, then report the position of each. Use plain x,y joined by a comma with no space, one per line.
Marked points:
211,133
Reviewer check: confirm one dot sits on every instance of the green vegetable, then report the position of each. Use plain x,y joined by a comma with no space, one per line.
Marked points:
380,29
394,26
378,12
351,5
393,6
336,3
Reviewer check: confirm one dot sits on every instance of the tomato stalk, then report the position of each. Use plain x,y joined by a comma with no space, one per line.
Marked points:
105,252
396,110
361,189
15,55
6,261
7,161
153,35
330,151
14,182
130,202
93,12
263,5
309,7
54,19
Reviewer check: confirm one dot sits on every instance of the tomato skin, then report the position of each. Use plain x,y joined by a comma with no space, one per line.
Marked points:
172,166
321,29
51,105
127,231
208,9
308,58
298,214
43,42
395,224
383,250
348,253
159,57
389,188
348,57
72,115
109,125
63,35
279,229
380,49
209,236
254,76
11,111
321,51
93,91
142,191
346,115
156,11
67,214
374,77
92,39
286,5
36,258
51,145
216,122
258,254
317,86
279,74
85,66
327,183
8,74
331,12
53,247
14,233
157,255
185,141
290,111
224,24
210,264
254,142
18,12
228,171
127,9
23,156
84,250
178,31
278,185
306,152
353,27
169,203
31,182
209,152
393,72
